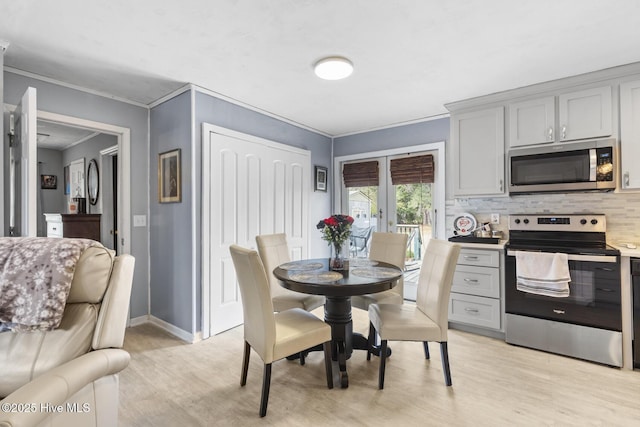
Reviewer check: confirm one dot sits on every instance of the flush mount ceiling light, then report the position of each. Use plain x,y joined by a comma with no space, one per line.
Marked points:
333,68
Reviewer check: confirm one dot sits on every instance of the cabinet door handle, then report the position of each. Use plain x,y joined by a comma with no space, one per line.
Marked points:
471,310
626,179
558,311
550,133
564,131
474,281
501,190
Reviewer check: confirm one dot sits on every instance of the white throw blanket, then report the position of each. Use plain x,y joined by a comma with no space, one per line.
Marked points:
543,273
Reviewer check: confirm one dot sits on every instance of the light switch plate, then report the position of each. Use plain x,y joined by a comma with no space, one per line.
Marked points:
495,218
139,220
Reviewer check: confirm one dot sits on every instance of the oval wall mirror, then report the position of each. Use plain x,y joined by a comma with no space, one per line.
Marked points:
93,182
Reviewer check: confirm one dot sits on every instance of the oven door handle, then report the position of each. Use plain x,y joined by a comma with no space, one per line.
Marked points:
578,257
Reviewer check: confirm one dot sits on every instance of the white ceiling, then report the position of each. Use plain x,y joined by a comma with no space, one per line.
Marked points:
60,137
410,56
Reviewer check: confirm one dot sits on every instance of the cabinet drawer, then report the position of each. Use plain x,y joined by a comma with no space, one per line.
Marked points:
481,281
54,229
486,258
477,311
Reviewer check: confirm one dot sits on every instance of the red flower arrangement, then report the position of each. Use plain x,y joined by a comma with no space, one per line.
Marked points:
336,229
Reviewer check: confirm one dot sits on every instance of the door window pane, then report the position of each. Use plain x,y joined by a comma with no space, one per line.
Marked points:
363,207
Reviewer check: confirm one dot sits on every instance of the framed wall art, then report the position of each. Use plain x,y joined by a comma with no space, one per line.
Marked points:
48,182
321,178
169,177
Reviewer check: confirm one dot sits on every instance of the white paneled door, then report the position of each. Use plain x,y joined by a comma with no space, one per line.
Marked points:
250,186
23,174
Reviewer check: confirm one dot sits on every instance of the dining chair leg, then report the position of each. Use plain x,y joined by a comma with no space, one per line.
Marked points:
383,360
245,364
444,354
327,363
426,349
371,340
266,382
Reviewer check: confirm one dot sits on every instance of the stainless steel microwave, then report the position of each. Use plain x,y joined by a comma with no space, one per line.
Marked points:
577,166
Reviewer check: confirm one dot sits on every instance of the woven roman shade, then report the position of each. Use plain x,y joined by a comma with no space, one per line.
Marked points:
361,174
412,170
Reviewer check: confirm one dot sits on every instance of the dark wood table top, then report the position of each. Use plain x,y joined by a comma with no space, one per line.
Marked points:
360,276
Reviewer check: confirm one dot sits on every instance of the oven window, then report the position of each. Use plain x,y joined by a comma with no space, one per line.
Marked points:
594,296
567,167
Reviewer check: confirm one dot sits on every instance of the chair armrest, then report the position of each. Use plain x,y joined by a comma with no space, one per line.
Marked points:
114,310
23,406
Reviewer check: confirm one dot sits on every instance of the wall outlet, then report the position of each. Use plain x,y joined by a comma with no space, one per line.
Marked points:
495,218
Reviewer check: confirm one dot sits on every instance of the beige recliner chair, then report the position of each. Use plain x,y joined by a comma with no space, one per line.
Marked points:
68,376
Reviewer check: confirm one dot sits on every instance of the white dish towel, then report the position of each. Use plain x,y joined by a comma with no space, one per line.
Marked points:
543,273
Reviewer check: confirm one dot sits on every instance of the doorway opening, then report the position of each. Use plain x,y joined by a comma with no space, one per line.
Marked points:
121,173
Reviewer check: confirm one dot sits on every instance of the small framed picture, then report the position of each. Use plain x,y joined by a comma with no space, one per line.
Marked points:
169,177
48,182
321,178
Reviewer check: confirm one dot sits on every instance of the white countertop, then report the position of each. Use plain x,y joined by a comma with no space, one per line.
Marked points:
624,251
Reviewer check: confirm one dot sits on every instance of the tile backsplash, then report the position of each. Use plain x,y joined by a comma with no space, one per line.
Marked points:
622,210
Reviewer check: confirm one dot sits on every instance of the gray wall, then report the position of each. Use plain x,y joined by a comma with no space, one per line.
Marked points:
50,201
62,100
170,224
401,136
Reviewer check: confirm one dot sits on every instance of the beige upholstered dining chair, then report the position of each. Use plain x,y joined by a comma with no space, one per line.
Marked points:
391,248
425,321
273,335
273,250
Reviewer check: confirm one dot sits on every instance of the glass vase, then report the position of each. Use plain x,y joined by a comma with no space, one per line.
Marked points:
337,259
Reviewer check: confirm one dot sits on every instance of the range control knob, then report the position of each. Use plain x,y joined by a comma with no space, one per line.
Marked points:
583,221
594,221
526,221
517,221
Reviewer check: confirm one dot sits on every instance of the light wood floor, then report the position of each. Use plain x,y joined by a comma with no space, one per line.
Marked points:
170,383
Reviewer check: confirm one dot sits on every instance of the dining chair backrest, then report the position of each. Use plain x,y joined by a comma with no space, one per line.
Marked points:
434,285
391,248
274,251
259,320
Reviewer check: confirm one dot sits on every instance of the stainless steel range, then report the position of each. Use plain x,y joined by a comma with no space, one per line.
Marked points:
587,324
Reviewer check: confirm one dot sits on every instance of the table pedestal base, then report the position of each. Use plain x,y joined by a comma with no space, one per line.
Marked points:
337,314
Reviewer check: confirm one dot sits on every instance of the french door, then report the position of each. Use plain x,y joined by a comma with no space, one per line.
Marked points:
412,208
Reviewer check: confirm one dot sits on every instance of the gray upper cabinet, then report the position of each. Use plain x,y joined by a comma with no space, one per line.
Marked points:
585,114
532,122
478,151
630,134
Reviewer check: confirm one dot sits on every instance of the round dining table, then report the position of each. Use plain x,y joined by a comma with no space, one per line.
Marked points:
359,277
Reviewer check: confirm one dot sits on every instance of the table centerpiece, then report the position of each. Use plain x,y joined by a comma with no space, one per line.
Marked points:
336,231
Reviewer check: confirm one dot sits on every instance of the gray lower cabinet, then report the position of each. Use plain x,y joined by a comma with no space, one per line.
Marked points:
476,293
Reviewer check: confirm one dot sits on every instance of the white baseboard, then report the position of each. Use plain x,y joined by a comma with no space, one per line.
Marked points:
172,329
138,320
